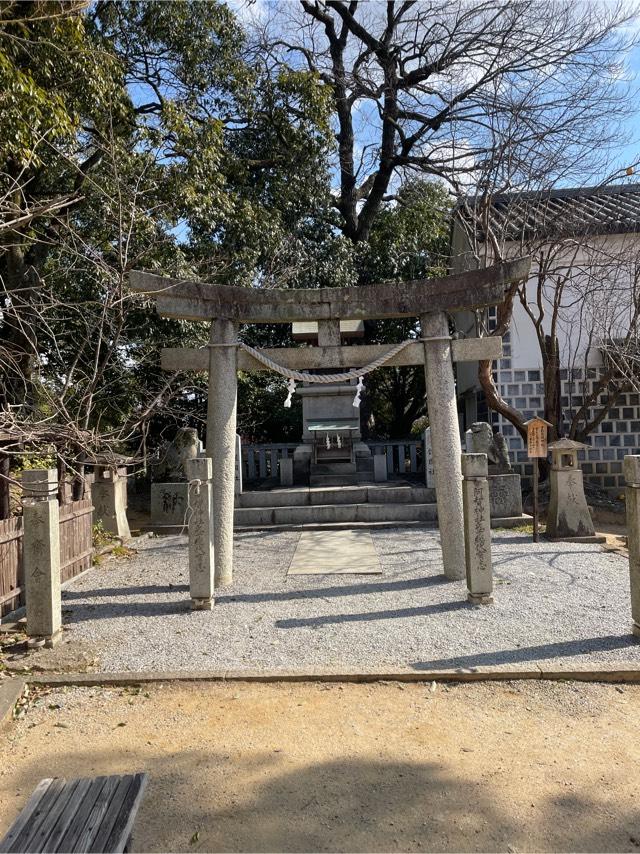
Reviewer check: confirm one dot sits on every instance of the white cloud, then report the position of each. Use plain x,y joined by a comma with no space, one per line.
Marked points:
249,11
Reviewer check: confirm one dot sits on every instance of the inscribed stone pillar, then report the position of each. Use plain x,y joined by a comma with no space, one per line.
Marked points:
632,477
41,554
445,436
201,533
221,440
477,528
109,496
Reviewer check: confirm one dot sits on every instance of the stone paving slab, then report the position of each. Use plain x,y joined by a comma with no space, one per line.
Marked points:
335,553
558,606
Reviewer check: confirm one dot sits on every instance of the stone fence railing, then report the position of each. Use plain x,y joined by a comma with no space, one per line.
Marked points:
261,461
404,456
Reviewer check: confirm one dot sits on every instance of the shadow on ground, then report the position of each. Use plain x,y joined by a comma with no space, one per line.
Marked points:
346,805
563,649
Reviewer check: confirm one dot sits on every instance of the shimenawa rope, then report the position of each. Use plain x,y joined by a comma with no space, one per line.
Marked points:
305,376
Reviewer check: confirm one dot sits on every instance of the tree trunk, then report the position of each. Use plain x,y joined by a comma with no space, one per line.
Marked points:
495,400
551,376
63,486
5,486
78,485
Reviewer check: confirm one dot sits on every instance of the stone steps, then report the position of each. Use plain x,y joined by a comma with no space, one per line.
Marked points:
334,474
336,526
257,517
367,505
333,479
365,493
333,468
508,522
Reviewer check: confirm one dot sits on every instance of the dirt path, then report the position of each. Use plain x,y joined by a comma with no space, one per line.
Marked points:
504,766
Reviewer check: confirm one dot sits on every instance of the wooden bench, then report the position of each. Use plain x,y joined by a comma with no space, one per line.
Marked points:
94,814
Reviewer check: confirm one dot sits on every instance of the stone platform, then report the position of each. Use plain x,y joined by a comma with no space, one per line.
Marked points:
367,505
391,504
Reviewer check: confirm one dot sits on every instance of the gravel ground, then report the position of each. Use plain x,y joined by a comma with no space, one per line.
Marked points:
556,605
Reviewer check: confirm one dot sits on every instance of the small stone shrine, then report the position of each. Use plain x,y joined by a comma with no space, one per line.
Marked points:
331,451
505,492
568,515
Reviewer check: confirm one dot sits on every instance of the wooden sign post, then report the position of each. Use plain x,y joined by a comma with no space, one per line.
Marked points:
536,448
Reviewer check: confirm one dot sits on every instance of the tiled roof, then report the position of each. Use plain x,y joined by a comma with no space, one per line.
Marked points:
558,213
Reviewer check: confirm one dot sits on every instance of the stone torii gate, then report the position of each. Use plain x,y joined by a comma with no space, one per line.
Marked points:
226,306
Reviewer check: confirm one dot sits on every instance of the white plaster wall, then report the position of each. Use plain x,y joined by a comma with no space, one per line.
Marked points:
519,377
597,301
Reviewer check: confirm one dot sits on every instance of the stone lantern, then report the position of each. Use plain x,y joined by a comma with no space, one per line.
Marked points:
568,514
109,493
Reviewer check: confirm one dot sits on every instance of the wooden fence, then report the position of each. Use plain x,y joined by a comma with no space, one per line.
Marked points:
76,538
10,564
76,550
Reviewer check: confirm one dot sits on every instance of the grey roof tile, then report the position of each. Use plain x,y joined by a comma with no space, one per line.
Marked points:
568,212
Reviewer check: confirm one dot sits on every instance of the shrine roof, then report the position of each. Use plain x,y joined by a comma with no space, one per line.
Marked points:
330,426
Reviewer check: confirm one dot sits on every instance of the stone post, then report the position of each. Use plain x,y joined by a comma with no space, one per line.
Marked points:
286,471
632,477
428,459
238,469
89,480
445,433
221,440
379,468
201,533
109,496
329,333
477,529
468,441
41,554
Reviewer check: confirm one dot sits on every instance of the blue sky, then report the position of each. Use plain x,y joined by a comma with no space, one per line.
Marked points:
630,153
259,12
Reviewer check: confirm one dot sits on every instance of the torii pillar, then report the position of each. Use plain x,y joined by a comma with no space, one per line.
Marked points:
221,440
445,437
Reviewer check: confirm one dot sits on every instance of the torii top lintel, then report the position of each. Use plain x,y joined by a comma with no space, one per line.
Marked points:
198,301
